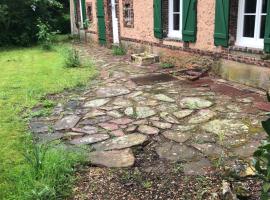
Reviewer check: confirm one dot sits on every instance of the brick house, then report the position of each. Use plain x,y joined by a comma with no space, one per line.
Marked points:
230,30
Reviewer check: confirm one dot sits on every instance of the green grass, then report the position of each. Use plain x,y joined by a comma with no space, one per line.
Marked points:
118,51
166,65
27,75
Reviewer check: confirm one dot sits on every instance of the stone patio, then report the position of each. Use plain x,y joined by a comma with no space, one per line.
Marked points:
199,123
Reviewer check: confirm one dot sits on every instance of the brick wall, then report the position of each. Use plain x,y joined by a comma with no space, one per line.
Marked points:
93,25
205,26
143,21
142,31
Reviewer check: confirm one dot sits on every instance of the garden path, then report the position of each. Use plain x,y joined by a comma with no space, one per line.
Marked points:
130,115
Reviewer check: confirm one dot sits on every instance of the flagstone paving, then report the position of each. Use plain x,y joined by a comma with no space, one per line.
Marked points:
178,121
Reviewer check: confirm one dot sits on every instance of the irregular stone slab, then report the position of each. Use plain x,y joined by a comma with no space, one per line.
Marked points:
176,136
195,103
71,135
226,127
246,150
123,126
96,120
67,122
90,139
122,102
140,99
264,106
149,102
96,103
155,118
199,168
86,129
245,100
117,133
177,152
115,114
166,116
58,109
121,142
129,111
109,126
183,113
182,128
234,107
39,127
110,108
148,130
210,149
202,116
233,142
140,122
93,114
135,94
162,125
167,107
122,121
162,97
112,91
115,158
131,128
144,112
204,138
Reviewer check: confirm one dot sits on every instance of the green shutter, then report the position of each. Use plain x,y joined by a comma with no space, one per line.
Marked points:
189,20
101,22
222,23
158,32
83,10
267,30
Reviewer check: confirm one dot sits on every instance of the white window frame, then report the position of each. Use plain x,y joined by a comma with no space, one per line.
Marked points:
255,42
171,32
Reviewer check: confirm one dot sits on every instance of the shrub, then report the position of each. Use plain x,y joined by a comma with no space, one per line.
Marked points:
262,160
166,65
19,19
45,36
118,51
72,58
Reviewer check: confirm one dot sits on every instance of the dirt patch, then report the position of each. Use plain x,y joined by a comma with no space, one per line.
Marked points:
153,79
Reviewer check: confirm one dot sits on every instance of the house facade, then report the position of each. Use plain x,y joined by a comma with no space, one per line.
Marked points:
233,30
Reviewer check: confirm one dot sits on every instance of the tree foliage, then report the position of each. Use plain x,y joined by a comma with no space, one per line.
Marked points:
19,19
262,160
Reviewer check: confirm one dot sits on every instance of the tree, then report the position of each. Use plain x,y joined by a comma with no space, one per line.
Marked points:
19,19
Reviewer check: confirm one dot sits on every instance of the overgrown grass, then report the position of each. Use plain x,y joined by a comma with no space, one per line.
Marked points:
47,174
118,51
27,75
167,65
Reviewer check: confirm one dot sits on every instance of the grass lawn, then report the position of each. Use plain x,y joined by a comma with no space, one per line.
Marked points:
27,75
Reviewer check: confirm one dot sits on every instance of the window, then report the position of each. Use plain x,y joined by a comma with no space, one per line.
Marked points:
175,19
128,14
89,11
251,23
